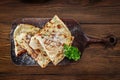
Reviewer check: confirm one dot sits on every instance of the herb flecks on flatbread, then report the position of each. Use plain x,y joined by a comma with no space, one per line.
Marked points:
24,40
52,38
42,58
23,32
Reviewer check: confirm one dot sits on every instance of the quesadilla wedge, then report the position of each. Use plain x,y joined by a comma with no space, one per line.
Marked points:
24,40
42,58
53,37
18,49
20,30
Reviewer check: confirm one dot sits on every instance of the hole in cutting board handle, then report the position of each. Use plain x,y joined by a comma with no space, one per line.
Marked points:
112,41
108,41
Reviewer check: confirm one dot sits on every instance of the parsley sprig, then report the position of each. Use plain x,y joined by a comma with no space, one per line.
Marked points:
72,52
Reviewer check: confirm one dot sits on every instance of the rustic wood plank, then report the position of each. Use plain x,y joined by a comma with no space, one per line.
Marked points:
101,30
90,13
57,77
82,3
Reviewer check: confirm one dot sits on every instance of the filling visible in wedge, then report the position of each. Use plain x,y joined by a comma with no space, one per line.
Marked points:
53,37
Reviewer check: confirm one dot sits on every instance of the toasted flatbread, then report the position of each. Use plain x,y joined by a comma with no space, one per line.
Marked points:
19,32
18,49
23,37
24,43
42,58
53,37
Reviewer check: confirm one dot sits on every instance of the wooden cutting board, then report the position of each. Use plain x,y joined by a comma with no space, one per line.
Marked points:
81,40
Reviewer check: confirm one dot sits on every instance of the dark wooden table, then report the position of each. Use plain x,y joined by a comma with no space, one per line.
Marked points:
97,18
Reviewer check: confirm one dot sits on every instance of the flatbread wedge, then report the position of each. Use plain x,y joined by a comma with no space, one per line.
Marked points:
42,58
19,34
18,49
23,37
53,37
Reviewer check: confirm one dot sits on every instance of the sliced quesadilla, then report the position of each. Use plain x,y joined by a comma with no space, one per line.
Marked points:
43,45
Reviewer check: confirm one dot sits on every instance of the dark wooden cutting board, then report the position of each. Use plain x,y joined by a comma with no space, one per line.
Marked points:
81,40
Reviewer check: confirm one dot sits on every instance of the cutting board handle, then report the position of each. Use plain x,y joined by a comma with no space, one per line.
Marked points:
108,41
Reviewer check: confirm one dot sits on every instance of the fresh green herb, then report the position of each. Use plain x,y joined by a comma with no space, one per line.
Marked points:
72,52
